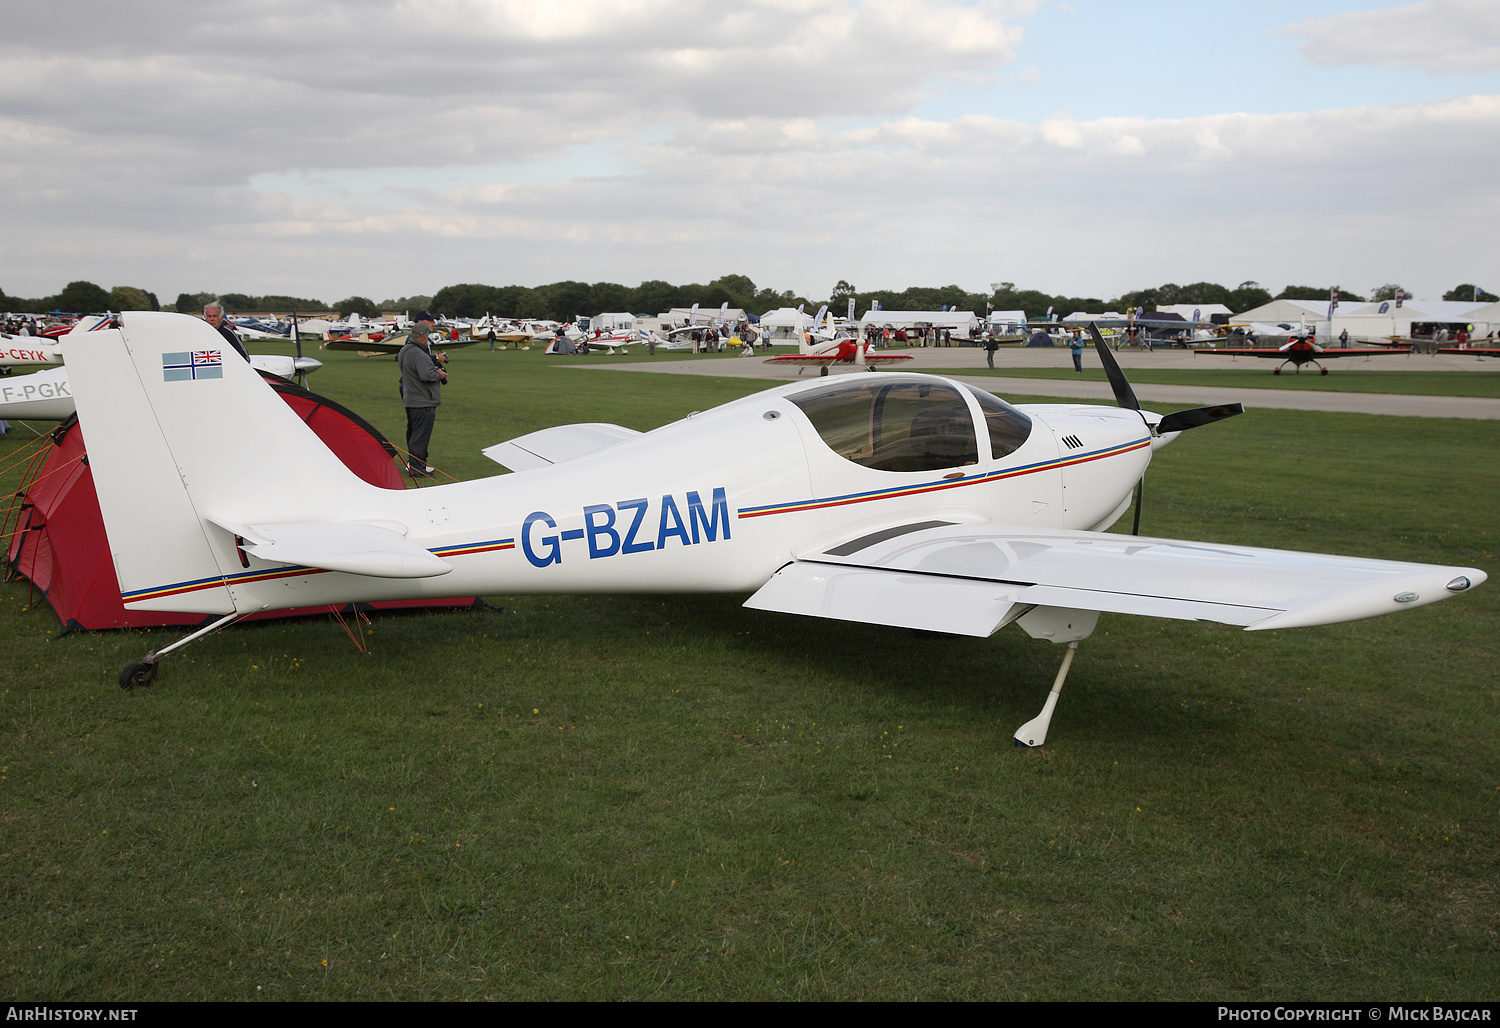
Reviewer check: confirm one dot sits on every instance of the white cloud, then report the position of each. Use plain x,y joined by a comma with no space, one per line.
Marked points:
1436,35
393,147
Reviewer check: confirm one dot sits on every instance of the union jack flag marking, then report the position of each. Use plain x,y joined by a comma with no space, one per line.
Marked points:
183,367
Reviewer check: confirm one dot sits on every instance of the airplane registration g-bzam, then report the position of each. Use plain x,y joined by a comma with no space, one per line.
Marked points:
894,499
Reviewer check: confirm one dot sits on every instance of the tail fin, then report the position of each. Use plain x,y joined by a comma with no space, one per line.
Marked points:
182,434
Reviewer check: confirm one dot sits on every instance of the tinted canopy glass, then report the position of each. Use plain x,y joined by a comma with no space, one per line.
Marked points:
1008,427
893,426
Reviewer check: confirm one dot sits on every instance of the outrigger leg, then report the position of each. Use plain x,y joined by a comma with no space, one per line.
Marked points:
1034,732
140,674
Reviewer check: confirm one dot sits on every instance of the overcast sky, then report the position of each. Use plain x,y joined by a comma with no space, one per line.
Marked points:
391,147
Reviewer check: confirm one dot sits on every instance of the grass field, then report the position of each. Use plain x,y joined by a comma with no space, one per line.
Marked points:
673,797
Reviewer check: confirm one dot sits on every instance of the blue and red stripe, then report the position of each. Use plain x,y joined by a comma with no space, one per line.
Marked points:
819,503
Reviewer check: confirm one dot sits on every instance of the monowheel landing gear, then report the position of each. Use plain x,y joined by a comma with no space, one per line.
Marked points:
1034,732
823,370
141,674
1062,626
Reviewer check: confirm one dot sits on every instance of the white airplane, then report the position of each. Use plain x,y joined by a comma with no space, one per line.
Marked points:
24,351
41,396
255,328
895,499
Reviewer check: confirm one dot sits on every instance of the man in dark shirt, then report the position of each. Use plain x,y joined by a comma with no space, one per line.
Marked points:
422,378
214,315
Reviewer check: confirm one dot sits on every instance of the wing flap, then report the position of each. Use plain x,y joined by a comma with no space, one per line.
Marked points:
889,598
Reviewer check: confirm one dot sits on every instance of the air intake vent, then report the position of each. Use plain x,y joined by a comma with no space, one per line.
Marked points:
1073,442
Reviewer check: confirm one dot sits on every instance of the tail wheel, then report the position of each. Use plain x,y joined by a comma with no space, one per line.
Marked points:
137,676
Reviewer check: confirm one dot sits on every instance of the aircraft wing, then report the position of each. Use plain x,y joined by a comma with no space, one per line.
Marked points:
811,360
1361,353
392,344
1243,353
814,359
972,579
365,346
1473,351
1286,354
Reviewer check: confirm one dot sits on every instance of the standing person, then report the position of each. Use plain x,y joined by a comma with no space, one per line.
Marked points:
1076,345
991,344
422,378
214,315
1344,339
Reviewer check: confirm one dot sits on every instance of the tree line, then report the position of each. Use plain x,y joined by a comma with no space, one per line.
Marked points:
562,301
83,298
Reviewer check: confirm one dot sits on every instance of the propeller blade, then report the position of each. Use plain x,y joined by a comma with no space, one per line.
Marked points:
1181,421
1124,395
1140,489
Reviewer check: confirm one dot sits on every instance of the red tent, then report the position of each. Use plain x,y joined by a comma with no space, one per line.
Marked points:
60,545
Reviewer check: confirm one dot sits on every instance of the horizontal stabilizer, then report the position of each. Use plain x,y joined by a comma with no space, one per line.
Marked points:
355,549
555,445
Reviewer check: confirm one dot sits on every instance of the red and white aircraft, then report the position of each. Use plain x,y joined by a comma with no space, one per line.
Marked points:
824,346
897,499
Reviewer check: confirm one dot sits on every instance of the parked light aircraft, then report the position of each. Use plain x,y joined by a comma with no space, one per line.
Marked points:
824,345
1300,350
895,499
24,351
844,350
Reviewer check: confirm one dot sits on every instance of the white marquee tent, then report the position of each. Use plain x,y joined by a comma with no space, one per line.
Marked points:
964,324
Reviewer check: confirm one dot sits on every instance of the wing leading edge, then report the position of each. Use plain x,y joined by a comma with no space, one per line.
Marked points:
973,579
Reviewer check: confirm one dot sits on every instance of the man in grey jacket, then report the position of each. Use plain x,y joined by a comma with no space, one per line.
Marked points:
422,378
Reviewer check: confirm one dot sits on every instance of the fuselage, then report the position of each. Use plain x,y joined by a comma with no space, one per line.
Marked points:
1301,351
718,501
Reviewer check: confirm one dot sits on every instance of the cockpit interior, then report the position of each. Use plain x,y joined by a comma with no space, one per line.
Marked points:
910,426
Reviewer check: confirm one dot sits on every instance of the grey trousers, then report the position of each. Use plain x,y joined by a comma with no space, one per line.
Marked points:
419,422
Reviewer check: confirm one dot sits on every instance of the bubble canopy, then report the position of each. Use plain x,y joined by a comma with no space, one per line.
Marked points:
905,425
